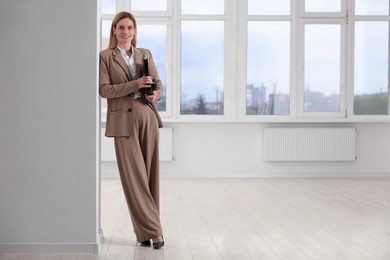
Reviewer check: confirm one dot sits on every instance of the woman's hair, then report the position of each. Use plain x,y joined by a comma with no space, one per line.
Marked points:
119,16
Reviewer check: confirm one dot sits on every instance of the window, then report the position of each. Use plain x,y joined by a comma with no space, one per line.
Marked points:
148,5
269,7
105,37
268,68
370,7
371,58
108,7
202,58
322,59
265,60
322,6
201,67
203,7
322,68
154,38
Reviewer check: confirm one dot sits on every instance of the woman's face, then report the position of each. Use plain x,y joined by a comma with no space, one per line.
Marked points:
124,32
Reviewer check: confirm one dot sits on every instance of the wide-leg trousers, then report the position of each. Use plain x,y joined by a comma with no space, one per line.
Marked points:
138,164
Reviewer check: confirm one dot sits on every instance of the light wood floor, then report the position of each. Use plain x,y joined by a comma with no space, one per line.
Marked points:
262,219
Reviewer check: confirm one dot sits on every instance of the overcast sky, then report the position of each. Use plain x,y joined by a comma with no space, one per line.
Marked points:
269,47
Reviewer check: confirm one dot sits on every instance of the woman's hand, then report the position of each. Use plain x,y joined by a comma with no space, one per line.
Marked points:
144,82
152,98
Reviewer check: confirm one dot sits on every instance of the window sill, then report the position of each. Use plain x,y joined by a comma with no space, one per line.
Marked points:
206,119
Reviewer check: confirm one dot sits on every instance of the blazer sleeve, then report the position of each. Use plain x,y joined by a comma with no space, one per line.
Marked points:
107,89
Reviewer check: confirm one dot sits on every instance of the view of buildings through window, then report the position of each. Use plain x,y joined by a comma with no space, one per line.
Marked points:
202,57
268,68
323,64
202,66
322,68
371,58
372,87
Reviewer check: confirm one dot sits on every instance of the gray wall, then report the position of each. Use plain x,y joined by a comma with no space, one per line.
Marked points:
48,116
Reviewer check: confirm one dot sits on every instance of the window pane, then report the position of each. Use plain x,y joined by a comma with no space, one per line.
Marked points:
148,5
268,68
322,5
202,7
202,50
268,7
372,88
370,7
106,26
154,38
108,6
322,68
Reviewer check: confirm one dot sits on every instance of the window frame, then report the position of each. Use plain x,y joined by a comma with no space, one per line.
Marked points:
177,37
244,18
304,14
351,57
301,70
168,63
322,18
235,20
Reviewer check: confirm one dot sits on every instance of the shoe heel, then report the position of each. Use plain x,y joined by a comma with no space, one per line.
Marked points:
159,245
146,243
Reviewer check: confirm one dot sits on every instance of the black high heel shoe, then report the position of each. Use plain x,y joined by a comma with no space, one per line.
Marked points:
158,245
145,243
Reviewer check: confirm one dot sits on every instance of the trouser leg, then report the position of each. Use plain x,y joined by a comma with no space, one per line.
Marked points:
138,164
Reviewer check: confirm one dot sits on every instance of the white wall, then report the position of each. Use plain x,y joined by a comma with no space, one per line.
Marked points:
235,150
48,93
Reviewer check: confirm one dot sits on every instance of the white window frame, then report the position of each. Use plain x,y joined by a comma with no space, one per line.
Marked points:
321,18
235,20
243,20
301,70
226,116
168,63
126,4
351,56
304,14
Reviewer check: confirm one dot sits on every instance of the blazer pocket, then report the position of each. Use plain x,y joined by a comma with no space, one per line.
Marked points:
117,123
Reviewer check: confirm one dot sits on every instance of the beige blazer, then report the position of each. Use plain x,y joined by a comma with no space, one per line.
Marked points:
117,85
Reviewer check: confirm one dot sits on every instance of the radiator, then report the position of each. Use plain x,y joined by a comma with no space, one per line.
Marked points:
166,139
165,148
309,144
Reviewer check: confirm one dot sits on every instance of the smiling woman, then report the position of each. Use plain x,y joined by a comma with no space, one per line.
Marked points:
125,72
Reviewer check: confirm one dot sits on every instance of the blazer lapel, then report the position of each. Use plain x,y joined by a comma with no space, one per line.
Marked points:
119,59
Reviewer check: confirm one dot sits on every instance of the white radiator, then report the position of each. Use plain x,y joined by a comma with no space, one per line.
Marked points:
309,144
165,148
166,139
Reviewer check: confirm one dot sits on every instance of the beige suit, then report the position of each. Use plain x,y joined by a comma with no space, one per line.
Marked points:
134,125
116,84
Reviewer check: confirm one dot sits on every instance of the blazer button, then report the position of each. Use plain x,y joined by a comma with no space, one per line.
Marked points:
129,110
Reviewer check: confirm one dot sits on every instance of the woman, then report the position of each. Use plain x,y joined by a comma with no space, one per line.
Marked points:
133,121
